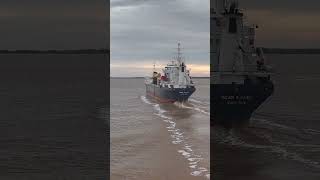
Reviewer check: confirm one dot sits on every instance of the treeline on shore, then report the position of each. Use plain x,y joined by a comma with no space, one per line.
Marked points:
80,51
290,51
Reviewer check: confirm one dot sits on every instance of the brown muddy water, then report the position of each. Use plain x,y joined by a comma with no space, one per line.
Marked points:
282,141
150,140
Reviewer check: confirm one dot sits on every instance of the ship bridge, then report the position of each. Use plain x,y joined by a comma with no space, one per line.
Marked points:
232,51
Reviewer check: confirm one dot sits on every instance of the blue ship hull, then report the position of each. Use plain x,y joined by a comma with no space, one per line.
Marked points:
169,95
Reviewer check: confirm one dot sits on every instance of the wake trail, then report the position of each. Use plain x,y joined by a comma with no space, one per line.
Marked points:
234,139
182,105
178,138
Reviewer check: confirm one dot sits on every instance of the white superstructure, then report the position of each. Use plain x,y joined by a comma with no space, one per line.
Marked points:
175,74
234,56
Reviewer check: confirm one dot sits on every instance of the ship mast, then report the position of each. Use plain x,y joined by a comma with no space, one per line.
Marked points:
179,58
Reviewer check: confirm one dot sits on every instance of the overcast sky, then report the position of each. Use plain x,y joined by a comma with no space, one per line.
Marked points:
147,31
144,31
285,23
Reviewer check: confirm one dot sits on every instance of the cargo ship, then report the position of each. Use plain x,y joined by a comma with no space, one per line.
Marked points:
240,78
174,84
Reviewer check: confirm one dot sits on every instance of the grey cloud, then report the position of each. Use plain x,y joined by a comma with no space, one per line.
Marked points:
120,3
152,30
285,23
282,5
149,29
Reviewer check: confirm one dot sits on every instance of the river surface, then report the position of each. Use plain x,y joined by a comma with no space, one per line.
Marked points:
282,141
150,140
53,117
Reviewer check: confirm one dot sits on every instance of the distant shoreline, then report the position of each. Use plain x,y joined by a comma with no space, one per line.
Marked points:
106,51
143,77
290,51
79,51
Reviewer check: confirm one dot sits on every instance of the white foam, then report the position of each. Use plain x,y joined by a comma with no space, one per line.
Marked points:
188,148
194,100
312,131
176,142
202,111
157,108
202,169
177,133
178,137
171,122
172,126
234,140
182,105
195,159
184,153
196,173
144,99
274,124
198,102
199,105
162,116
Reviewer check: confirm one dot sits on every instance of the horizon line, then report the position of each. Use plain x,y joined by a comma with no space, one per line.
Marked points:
144,77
